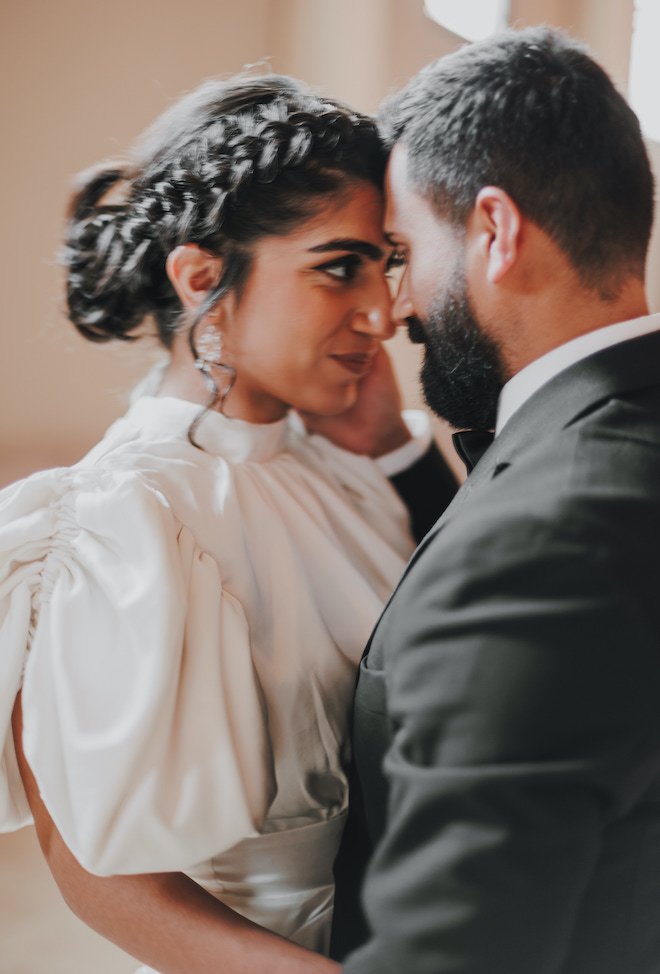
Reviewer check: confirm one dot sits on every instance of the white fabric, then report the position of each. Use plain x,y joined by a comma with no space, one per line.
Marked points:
195,619
529,380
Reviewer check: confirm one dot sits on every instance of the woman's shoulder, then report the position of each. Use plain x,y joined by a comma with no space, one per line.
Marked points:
49,489
112,613
51,512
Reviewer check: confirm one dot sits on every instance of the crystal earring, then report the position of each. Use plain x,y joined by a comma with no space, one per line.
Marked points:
208,348
218,376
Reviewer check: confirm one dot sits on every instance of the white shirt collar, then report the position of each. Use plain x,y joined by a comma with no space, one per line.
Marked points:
529,380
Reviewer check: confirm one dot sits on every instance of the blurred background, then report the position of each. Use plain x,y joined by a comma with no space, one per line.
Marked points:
80,80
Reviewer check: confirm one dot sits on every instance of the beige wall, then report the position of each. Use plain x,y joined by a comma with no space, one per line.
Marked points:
80,83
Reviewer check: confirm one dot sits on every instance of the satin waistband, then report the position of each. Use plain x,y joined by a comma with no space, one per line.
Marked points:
294,859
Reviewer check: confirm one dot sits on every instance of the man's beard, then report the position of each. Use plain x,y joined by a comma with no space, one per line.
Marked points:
463,372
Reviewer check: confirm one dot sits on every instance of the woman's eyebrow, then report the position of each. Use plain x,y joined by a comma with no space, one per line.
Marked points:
369,250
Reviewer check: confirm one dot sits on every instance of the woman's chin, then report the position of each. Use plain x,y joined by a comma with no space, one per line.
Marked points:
339,406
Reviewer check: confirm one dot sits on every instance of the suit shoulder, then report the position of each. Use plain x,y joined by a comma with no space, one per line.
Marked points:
592,489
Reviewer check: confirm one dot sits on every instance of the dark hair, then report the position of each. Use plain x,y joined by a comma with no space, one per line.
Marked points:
230,163
530,112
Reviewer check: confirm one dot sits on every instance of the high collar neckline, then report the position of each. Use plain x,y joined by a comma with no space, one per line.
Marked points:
233,439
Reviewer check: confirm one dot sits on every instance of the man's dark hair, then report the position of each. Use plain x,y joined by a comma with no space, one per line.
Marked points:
530,112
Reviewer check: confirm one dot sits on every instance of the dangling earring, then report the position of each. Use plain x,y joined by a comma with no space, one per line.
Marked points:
209,349
207,352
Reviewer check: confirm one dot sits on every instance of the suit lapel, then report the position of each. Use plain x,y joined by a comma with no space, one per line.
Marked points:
626,367
480,474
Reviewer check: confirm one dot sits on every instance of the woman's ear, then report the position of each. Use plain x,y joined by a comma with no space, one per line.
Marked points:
498,223
193,272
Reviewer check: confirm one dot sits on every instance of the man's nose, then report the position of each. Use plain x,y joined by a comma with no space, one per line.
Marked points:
402,306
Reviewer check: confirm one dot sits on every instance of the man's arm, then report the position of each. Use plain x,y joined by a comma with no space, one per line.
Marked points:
165,920
522,685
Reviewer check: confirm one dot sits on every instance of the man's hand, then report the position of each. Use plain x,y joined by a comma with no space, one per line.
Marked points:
373,425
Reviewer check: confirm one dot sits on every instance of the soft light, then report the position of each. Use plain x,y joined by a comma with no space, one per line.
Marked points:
471,19
644,81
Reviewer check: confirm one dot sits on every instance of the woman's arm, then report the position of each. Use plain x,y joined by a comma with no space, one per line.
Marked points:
165,920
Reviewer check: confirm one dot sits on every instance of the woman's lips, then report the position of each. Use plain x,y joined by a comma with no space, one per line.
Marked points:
357,363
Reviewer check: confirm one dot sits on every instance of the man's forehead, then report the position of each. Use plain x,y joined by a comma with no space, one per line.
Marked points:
396,174
396,189
407,211
397,164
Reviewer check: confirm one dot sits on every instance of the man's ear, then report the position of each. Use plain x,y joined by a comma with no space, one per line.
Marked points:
498,223
193,272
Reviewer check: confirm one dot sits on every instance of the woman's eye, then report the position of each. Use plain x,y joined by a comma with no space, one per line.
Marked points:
342,268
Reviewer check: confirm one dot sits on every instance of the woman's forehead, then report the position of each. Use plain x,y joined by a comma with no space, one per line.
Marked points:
354,221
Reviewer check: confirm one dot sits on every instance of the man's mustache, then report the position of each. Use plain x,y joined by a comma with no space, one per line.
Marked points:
416,330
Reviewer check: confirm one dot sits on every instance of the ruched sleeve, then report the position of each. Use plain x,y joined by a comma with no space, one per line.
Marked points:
144,723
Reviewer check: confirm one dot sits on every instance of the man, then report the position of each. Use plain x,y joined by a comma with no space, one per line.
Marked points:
507,714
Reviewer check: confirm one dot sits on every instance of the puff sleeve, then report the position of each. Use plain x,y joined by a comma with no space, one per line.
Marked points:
144,723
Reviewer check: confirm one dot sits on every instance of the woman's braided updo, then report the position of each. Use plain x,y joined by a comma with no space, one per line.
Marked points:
227,165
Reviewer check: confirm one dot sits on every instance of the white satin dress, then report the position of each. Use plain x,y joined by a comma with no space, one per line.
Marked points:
186,625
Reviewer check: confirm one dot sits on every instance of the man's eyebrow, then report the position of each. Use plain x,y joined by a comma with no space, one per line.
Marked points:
369,250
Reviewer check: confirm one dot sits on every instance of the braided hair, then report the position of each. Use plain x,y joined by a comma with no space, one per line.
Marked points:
229,164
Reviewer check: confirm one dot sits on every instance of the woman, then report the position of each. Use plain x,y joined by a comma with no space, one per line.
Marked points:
196,593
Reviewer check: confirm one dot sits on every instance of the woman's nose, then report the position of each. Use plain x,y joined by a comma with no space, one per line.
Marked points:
375,316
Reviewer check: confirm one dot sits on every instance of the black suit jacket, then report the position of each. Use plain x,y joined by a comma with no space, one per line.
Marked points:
507,713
